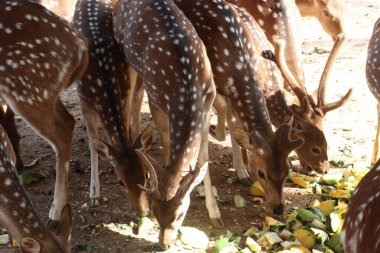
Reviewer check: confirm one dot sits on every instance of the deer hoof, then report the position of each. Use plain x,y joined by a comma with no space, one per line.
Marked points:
94,202
217,223
246,181
52,224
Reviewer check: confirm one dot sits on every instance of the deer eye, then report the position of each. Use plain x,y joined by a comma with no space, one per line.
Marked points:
326,13
316,150
261,174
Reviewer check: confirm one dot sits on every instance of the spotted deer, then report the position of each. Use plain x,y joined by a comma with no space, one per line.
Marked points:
373,80
236,62
163,48
103,92
17,213
328,12
279,20
361,227
34,68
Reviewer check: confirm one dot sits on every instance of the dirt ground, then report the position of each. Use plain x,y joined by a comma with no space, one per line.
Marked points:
349,130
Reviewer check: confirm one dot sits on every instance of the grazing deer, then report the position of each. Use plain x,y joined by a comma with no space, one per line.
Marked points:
163,48
279,19
361,227
373,79
17,213
239,72
328,12
34,68
103,91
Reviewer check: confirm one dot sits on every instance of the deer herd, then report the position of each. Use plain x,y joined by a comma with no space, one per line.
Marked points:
242,58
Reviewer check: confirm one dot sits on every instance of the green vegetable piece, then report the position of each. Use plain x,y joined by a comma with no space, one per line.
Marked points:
29,177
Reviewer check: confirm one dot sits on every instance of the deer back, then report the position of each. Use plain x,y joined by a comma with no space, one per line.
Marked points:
361,228
51,60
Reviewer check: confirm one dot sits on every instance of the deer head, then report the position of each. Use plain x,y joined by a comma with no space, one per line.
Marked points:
270,160
312,113
171,212
129,166
330,15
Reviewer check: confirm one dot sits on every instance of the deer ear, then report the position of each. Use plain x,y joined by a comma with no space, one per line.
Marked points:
286,145
65,225
30,245
242,138
103,150
144,140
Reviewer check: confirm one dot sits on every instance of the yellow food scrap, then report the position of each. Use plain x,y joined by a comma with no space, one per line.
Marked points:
300,181
340,194
257,189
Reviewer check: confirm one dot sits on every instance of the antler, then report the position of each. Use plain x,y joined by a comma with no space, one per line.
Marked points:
279,46
152,181
190,180
324,78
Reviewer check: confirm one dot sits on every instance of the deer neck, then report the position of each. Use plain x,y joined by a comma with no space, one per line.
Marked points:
306,8
278,109
279,19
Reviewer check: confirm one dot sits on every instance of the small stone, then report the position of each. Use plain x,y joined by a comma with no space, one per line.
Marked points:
4,239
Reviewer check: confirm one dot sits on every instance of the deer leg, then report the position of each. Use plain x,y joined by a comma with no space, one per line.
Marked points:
161,120
91,119
61,141
218,131
241,171
138,95
211,204
55,124
376,143
7,120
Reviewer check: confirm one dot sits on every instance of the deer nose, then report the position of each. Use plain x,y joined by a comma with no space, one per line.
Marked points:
279,209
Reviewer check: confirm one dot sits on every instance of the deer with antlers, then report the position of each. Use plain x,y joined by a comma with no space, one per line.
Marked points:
17,213
361,227
163,48
237,65
103,92
34,69
278,19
